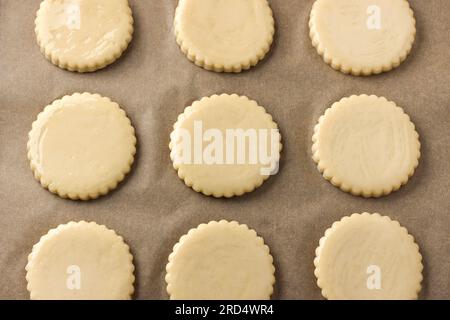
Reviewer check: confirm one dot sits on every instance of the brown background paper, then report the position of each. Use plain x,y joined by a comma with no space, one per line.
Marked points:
154,82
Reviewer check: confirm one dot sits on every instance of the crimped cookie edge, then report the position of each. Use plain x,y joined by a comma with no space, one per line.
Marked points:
351,189
336,65
227,193
336,224
52,232
94,194
205,225
84,67
200,61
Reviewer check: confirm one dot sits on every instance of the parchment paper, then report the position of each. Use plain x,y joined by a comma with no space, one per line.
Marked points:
154,82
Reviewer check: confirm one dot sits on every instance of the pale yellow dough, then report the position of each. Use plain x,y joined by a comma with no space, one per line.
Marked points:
347,35
222,113
366,145
96,257
352,247
220,261
84,35
81,146
224,35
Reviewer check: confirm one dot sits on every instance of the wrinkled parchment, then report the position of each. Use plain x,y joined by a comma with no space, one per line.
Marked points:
154,82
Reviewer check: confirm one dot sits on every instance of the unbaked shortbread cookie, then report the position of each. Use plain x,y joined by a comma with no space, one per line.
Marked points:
368,256
84,35
220,261
362,37
225,145
366,145
224,36
81,146
81,261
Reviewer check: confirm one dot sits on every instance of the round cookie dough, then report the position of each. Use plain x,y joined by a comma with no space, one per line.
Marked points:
366,145
215,126
81,146
224,36
362,37
84,35
80,261
220,261
367,257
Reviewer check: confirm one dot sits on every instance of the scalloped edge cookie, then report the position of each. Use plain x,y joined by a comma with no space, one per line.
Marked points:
259,241
348,69
347,187
48,112
98,63
198,59
337,224
239,190
127,294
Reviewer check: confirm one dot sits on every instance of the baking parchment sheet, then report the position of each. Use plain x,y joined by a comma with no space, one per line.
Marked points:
154,82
